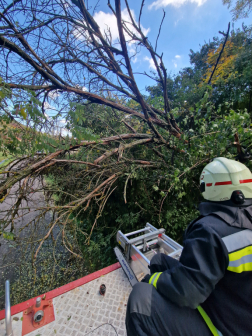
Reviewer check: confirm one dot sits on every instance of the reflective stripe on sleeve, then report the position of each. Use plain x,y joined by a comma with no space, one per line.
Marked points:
239,240
154,278
241,261
209,323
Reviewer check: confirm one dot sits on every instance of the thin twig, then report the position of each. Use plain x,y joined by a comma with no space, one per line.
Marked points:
125,188
194,166
140,14
160,27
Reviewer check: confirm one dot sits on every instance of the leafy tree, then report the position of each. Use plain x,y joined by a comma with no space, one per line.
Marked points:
129,158
232,79
226,65
240,8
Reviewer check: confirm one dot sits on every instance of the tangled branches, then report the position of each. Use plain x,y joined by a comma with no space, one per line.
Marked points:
56,47
54,57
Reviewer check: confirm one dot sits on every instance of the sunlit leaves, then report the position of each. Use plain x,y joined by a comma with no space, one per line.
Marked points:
23,113
226,65
8,235
240,8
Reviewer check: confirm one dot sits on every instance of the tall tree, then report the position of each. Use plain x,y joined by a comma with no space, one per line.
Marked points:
56,51
240,8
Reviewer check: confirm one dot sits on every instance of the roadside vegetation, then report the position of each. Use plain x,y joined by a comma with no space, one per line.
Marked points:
125,158
4,159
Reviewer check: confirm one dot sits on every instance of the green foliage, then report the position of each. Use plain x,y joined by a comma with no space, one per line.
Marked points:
166,197
94,187
24,126
164,192
55,267
77,123
232,81
240,8
7,235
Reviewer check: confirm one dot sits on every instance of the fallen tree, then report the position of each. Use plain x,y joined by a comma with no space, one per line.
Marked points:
64,59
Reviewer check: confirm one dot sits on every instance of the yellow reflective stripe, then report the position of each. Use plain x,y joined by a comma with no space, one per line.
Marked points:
208,321
242,268
241,253
154,278
240,261
151,278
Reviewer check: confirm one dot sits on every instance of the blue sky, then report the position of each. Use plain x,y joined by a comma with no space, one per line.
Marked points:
188,23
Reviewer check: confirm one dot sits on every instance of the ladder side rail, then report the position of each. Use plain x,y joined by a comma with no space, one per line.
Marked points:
135,232
122,239
140,253
166,238
146,236
150,243
171,242
174,253
151,227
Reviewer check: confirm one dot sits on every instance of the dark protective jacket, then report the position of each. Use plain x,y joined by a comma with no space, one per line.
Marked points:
214,272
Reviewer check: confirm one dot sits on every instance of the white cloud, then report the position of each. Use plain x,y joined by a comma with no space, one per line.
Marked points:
176,3
176,60
178,20
47,106
62,121
151,63
108,20
83,88
53,94
134,59
65,132
108,24
105,21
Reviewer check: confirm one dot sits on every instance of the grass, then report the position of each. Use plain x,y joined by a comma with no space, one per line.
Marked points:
7,159
2,157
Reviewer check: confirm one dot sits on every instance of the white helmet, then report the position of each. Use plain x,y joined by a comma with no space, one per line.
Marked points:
224,179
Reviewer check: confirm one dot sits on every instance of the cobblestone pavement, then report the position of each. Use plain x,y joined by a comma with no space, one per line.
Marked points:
81,310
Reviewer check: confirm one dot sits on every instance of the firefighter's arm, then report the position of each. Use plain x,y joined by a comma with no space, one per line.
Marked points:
202,264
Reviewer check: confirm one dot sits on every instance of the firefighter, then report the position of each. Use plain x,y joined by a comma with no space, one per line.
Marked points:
209,290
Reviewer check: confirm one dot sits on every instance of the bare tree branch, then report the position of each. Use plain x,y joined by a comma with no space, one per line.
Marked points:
219,57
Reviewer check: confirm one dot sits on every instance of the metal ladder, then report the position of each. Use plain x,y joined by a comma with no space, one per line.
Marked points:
139,250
